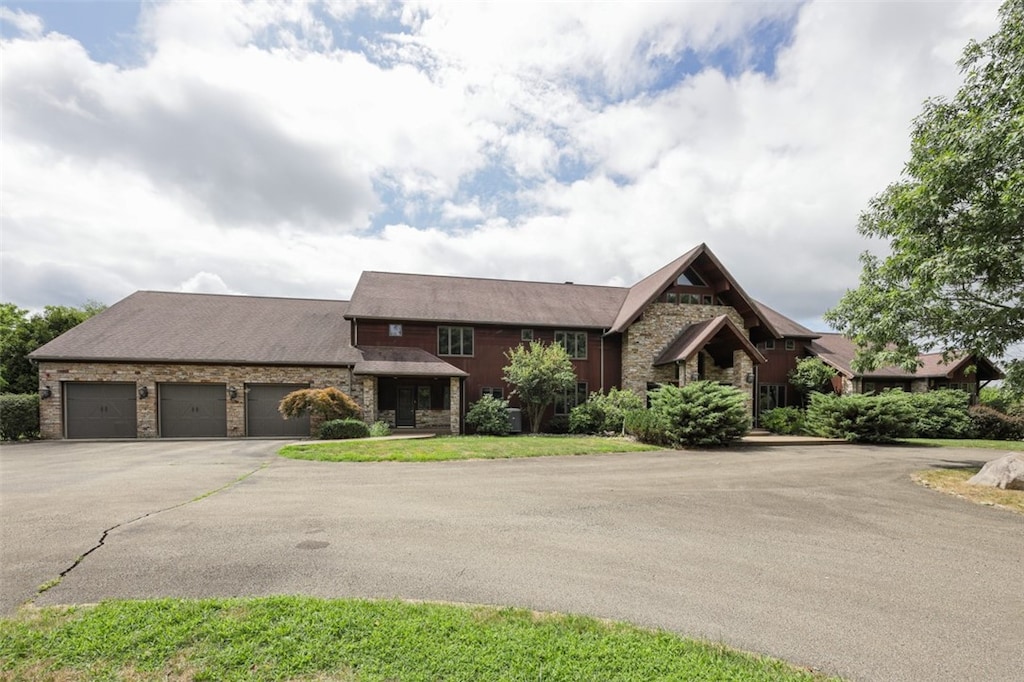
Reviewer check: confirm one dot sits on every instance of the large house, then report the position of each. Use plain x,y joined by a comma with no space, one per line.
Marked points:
412,350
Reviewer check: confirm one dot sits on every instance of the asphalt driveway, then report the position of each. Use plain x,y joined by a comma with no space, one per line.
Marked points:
827,556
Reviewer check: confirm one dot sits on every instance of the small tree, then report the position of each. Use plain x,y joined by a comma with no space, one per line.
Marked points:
810,375
538,373
328,403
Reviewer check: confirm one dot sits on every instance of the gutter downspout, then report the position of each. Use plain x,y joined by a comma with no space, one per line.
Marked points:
603,332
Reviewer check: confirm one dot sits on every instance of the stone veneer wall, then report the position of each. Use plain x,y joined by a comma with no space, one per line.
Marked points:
659,325
436,420
53,374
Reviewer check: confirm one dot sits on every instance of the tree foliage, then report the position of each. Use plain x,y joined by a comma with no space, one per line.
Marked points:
538,373
489,416
810,374
954,280
20,334
604,412
329,403
701,413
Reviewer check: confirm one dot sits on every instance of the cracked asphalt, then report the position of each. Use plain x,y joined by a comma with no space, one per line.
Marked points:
826,556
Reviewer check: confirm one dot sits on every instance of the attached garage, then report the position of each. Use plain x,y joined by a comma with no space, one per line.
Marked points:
262,417
100,410
193,410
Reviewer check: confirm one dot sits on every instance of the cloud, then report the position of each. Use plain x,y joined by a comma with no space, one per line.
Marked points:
27,24
281,149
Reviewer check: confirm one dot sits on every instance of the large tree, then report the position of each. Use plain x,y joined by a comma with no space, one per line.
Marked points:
538,373
20,334
954,278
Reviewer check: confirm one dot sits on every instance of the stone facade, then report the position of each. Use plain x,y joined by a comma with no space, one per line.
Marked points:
659,325
55,374
442,421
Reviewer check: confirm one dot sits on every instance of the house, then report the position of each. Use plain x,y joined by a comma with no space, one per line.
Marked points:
413,350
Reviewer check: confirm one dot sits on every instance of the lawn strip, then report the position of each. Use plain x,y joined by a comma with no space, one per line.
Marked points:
458,448
1007,445
300,637
954,482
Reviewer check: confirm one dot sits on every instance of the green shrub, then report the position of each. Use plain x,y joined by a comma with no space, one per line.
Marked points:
941,414
379,429
604,413
783,420
558,424
342,429
587,417
701,413
865,418
648,427
19,416
489,416
993,424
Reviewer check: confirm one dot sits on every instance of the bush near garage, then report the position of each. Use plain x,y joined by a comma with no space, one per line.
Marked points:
992,424
702,413
328,403
785,421
19,416
489,416
343,429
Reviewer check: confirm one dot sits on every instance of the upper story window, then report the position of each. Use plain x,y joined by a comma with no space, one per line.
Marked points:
496,392
394,330
526,335
574,343
769,344
454,340
691,278
790,344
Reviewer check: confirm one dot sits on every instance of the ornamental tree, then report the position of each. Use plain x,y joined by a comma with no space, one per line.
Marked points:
538,373
954,278
809,375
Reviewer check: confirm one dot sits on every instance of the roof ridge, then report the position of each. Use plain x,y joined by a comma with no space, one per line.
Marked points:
492,279
237,296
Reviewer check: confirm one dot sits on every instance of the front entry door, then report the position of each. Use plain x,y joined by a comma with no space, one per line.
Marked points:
405,415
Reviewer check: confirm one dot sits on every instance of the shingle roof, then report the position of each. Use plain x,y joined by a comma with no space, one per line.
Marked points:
152,326
429,298
403,361
784,325
839,352
696,336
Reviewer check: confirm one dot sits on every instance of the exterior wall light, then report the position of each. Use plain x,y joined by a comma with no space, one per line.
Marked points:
750,377
694,376
45,392
232,392
143,392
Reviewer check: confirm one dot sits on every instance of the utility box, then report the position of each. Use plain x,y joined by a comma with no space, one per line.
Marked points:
515,420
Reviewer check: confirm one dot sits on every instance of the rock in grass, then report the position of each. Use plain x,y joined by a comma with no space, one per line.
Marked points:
1006,473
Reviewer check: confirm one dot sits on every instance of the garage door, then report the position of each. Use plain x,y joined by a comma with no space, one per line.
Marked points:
100,410
262,417
193,410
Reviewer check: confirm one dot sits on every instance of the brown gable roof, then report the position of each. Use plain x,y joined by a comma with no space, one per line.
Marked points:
700,334
839,351
153,326
784,325
437,298
403,362
649,288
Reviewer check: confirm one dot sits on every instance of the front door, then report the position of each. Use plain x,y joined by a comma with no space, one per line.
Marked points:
405,415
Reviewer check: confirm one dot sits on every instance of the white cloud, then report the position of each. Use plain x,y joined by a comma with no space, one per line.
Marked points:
29,25
250,152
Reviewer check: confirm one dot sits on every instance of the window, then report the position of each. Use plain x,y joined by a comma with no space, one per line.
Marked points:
708,299
574,343
495,392
672,298
769,344
564,402
790,344
771,396
423,397
526,335
454,340
689,277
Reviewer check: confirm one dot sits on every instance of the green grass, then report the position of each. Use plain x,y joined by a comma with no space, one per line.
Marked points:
1008,445
291,638
459,447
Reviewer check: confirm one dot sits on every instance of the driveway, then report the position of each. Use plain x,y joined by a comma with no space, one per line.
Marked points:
827,556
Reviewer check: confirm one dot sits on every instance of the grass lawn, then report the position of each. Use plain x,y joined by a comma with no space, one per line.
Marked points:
458,447
1008,445
292,638
954,482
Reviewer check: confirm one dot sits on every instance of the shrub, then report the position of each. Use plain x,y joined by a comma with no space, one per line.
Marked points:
19,416
379,429
587,417
861,417
648,427
342,429
783,420
941,414
701,413
604,413
489,416
329,403
558,424
989,423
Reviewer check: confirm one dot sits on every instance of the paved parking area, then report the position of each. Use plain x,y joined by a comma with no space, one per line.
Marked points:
827,556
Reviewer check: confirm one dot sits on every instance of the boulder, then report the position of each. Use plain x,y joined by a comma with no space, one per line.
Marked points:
1006,473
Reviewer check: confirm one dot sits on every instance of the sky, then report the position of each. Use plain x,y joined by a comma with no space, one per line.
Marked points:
281,149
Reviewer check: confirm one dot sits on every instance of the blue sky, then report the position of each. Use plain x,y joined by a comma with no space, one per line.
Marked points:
282,148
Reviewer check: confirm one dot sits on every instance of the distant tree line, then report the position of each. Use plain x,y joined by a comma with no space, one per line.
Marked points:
21,333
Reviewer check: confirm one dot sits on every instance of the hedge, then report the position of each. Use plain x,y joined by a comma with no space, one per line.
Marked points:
19,416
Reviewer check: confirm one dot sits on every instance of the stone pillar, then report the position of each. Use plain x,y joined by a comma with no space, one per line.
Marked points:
145,409
455,406
369,399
